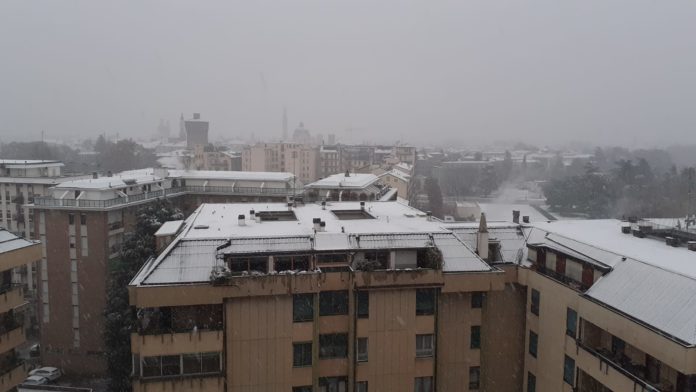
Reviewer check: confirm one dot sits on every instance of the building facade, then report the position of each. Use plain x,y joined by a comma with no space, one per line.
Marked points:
300,159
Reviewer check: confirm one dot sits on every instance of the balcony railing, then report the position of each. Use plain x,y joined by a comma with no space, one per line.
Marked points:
627,369
561,278
47,201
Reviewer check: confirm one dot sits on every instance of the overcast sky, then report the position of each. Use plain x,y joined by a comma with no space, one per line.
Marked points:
599,71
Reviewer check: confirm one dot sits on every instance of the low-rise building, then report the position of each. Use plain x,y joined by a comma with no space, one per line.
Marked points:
346,187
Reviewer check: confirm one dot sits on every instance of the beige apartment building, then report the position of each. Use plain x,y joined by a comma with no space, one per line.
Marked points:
300,159
81,225
345,297
15,252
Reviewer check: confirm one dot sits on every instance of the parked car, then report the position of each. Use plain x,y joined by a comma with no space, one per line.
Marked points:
51,373
35,380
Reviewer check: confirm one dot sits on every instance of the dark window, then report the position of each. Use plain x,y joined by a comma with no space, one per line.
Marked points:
152,366
475,336
425,302
248,264
201,363
301,354
302,307
571,323
533,343
71,219
361,386
617,346
425,345
531,382
474,377
477,300
362,350
307,388
333,384
171,365
83,219
363,304
292,263
332,258
333,303
333,345
423,384
569,370
535,301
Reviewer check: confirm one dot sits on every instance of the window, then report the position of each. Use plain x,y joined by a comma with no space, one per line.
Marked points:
424,346
248,264
333,303
363,304
152,366
171,365
474,377
83,219
362,349
292,263
302,307
535,301
71,219
617,346
301,354
423,384
306,388
201,363
425,302
361,386
475,337
571,323
533,342
569,370
477,300
333,384
531,382
333,345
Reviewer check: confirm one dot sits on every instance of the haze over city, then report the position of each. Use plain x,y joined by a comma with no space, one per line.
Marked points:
548,72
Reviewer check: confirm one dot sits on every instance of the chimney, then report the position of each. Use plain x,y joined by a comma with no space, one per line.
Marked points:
362,206
482,238
323,205
242,222
257,217
252,215
429,215
525,219
671,241
691,245
515,216
109,174
626,228
196,116
95,175
322,226
289,206
347,173
316,222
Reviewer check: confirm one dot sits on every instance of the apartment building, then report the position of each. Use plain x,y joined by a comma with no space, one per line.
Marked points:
82,224
610,307
300,159
329,161
346,296
15,252
20,182
398,180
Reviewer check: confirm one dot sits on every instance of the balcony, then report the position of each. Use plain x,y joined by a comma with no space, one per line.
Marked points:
11,296
563,279
11,336
212,383
176,343
11,374
616,376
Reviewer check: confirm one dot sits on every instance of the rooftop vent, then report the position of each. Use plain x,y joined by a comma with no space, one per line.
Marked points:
289,206
241,220
95,175
362,205
691,245
322,226
626,228
316,222
323,205
525,219
638,233
671,241
429,214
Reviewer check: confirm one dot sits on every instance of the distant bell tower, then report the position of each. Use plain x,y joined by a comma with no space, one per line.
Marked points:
285,124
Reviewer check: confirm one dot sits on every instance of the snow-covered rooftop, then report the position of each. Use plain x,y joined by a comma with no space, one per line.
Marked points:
10,242
191,257
119,180
25,163
231,175
354,180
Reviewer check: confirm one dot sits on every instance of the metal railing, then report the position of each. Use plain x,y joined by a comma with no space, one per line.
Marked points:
603,358
47,201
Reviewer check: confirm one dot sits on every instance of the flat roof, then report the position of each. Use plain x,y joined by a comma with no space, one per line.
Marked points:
117,180
231,175
23,163
191,257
